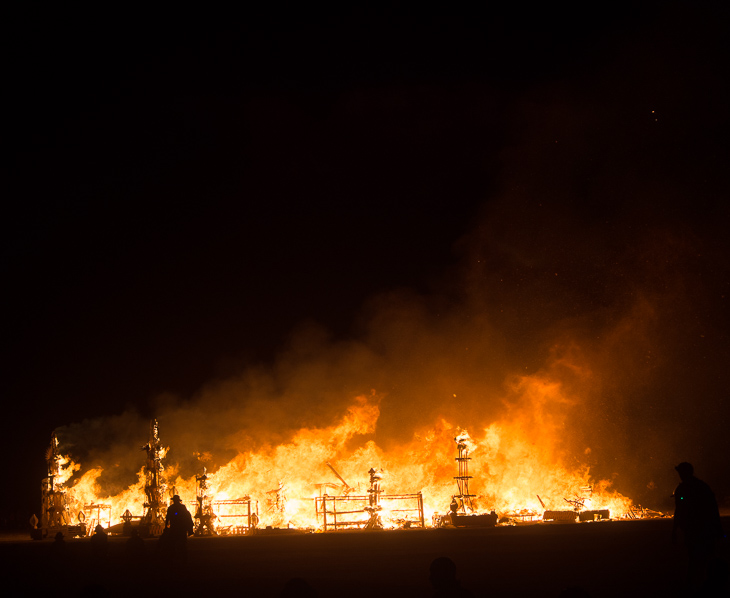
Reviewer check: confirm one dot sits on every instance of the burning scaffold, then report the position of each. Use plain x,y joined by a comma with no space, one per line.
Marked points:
224,502
153,519
222,517
212,517
55,509
461,510
375,510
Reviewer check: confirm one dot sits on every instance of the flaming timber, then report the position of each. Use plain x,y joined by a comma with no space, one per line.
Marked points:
55,513
204,515
222,503
153,520
98,514
347,489
242,512
351,511
236,516
222,517
462,513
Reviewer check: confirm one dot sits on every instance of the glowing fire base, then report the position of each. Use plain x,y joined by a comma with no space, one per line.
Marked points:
354,512
222,505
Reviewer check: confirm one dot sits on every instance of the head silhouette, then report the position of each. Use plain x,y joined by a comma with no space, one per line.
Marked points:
442,573
685,471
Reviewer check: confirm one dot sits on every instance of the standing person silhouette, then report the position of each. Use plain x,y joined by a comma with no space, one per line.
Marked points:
697,517
178,519
178,526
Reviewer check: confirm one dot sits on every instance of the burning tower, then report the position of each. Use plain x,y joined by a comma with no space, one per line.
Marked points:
54,509
277,501
153,520
373,509
204,515
55,514
462,502
462,513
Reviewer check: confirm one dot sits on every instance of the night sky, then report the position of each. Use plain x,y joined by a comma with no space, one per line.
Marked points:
185,194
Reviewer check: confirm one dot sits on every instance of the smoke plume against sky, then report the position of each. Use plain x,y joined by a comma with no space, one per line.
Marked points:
241,255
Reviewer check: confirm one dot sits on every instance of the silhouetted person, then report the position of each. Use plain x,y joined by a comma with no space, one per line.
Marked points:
178,519
178,526
297,588
59,544
100,541
442,575
696,515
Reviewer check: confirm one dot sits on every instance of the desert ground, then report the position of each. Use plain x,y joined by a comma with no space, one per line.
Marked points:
609,558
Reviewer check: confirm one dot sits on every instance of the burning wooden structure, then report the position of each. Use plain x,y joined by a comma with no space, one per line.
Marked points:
55,512
153,519
97,514
222,517
204,517
461,510
236,515
222,505
375,510
276,503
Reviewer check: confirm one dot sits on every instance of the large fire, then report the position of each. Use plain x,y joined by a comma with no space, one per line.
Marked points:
518,464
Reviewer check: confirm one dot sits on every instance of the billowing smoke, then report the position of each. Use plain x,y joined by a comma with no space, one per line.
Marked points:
587,271
602,325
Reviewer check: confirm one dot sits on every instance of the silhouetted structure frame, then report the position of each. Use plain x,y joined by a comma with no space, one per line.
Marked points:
462,480
237,513
353,512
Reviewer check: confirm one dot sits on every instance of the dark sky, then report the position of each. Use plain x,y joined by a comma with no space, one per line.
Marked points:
182,192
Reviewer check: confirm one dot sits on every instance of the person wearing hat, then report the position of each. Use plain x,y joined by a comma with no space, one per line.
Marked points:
697,517
178,519
172,545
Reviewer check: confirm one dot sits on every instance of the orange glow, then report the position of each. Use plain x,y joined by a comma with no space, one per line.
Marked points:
514,459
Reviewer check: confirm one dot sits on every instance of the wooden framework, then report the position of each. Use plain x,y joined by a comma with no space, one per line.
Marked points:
234,516
465,504
353,512
103,516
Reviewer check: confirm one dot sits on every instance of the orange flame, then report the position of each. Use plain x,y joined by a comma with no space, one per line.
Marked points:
513,460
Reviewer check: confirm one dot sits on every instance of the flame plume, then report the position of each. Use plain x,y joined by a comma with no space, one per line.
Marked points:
521,454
